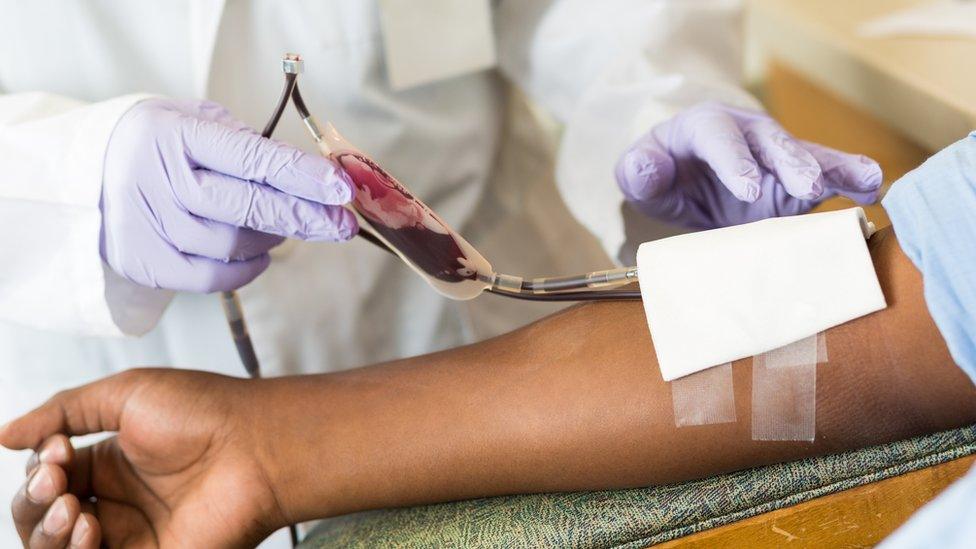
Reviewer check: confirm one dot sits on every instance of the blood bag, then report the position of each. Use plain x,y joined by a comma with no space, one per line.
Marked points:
408,226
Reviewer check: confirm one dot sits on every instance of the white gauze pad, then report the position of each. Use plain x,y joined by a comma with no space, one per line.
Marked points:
717,296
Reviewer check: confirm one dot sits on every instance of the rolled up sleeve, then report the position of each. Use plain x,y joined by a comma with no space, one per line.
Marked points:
933,210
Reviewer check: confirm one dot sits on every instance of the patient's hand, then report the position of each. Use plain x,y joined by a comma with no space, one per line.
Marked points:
183,470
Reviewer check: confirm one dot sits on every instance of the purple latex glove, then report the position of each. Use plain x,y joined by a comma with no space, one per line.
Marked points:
714,166
193,199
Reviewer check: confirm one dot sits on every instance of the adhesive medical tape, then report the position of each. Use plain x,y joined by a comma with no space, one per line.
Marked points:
784,390
704,397
822,348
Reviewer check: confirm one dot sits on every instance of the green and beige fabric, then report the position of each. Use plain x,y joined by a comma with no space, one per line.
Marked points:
638,517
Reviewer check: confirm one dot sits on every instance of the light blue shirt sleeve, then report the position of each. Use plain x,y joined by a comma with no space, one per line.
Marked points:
933,210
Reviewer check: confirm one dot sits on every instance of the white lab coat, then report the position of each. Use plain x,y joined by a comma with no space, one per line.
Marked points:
68,70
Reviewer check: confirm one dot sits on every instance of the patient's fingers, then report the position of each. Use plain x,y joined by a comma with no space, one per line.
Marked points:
55,529
56,450
92,408
42,488
44,514
87,532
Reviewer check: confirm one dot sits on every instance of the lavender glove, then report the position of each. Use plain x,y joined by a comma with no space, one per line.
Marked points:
713,166
192,199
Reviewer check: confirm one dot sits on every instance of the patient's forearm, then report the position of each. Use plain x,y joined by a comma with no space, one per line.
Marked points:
576,402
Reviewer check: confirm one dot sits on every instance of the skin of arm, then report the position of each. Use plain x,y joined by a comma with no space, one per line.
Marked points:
572,402
576,402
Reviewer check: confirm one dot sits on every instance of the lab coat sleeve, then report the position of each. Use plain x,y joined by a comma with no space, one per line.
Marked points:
53,278
609,71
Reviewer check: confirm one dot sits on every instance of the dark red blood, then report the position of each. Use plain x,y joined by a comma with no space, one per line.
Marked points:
435,253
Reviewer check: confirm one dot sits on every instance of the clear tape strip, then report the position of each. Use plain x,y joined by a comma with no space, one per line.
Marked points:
784,390
822,348
704,397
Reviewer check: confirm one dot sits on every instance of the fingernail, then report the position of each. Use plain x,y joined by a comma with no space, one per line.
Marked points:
53,451
80,532
56,518
41,487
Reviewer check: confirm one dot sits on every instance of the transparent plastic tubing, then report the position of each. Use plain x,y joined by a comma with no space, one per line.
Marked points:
584,287
231,303
229,300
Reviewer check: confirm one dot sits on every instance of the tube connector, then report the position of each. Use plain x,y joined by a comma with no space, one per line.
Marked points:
313,128
292,63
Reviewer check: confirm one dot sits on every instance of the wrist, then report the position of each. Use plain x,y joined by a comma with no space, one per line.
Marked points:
286,426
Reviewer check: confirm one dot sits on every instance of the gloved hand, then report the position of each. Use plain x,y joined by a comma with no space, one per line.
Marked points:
192,199
714,166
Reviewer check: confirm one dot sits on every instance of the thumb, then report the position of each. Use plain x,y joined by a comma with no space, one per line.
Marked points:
91,408
646,171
